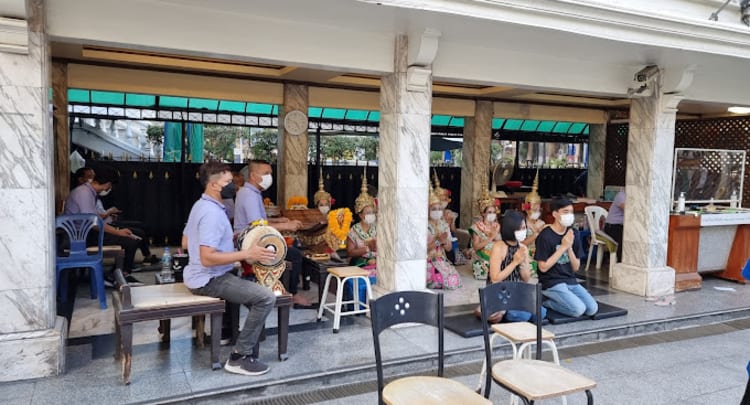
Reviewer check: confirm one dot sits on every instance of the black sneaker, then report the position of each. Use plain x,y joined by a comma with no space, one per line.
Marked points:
226,337
152,260
132,281
109,282
246,365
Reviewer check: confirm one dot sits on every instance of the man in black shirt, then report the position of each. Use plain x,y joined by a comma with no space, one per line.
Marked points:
557,259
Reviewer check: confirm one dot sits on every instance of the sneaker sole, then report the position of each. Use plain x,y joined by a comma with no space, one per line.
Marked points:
240,370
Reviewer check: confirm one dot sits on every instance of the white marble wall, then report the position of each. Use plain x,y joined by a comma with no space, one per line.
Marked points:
597,158
643,270
30,343
403,179
292,178
475,167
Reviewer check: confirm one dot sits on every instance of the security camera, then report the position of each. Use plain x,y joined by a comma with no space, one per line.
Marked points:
646,73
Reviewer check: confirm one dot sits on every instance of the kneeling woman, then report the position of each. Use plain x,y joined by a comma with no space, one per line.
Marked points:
510,261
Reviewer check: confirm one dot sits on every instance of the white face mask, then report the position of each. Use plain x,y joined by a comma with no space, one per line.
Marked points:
567,220
105,193
436,214
491,217
324,209
266,181
370,219
520,235
535,215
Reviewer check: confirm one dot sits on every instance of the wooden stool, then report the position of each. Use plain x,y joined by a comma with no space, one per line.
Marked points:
161,302
342,274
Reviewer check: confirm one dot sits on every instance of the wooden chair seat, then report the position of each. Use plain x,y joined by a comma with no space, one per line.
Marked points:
426,390
166,295
537,379
348,271
520,332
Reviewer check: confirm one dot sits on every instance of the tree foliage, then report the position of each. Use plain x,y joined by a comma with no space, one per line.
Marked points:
155,134
219,141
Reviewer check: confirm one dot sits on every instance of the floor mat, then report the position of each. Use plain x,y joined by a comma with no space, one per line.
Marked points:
467,325
605,311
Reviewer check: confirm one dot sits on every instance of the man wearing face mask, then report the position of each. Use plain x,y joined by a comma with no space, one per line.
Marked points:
248,207
82,200
111,216
557,255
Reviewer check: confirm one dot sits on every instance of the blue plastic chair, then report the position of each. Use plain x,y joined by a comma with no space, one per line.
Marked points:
77,227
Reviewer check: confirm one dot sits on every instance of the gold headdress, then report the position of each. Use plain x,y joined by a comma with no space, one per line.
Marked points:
434,197
365,199
485,200
321,194
442,193
533,197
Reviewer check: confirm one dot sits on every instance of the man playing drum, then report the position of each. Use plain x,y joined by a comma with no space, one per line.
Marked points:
212,257
249,208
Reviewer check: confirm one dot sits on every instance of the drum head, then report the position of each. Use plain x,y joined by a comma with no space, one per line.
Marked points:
267,237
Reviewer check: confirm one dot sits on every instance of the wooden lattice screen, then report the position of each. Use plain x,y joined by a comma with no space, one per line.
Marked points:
718,133
616,155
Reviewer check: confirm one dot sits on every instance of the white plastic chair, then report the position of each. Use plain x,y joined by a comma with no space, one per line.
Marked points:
594,215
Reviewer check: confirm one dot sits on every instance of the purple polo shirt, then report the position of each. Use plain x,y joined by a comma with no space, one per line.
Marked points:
248,207
207,225
81,200
616,215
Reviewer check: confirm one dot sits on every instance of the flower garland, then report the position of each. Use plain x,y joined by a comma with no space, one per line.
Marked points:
296,200
340,231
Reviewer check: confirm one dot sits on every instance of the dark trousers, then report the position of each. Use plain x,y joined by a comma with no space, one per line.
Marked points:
294,255
615,231
137,228
129,245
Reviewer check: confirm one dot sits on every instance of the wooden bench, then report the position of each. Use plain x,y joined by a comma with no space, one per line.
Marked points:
161,303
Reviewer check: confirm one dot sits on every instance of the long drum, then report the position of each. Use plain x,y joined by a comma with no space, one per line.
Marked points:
267,273
265,236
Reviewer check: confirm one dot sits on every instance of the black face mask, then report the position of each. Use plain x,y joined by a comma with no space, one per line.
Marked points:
228,191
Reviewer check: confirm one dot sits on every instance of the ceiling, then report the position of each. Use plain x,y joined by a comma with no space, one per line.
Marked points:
91,54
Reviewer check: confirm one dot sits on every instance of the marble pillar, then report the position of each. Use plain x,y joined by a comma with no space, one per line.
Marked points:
475,167
61,132
597,158
31,336
292,163
643,270
403,177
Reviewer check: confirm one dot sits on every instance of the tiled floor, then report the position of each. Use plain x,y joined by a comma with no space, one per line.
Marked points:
319,357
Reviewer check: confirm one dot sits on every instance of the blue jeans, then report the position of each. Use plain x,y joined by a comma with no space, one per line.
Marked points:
514,315
257,298
571,300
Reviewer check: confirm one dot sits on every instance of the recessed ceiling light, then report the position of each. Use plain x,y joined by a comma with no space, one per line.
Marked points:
739,110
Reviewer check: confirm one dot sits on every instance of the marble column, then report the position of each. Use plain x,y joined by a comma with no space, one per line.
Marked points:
61,132
597,157
31,335
475,167
403,176
292,163
643,270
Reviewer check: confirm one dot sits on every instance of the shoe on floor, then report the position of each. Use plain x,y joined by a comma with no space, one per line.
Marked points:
109,282
246,365
132,281
152,260
226,337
